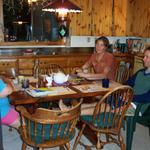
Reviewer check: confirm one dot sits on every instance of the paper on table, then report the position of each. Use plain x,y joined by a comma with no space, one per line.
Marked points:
95,87
39,93
52,91
90,88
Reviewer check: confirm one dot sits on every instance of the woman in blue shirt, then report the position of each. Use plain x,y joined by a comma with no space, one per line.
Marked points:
8,114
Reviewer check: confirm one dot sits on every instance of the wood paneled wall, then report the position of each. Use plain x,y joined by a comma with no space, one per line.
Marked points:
102,17
107,17
138,20
120,17
112,17
96,18
1,21
81,23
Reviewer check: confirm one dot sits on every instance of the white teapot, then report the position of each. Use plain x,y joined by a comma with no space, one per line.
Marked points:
49,80
60,77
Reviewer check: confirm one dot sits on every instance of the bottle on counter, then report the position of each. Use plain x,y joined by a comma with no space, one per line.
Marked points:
36,69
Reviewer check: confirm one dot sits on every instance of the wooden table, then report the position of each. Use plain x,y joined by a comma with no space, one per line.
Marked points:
22,97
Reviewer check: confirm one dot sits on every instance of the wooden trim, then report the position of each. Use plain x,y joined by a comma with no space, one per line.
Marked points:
1,21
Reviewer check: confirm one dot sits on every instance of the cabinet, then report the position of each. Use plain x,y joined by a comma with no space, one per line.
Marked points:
68,62
26,66
76,61
7,63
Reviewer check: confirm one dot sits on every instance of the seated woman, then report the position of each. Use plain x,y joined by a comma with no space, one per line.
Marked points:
8,115
103,64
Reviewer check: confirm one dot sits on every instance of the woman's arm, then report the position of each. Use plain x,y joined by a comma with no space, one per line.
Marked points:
6,87
96,75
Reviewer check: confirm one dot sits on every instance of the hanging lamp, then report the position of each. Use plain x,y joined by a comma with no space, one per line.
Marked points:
62,7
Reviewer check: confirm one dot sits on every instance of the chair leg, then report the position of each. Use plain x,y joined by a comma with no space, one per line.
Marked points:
123,147
61,147
129,132
98,145
68,146
78,137
24,146
107,137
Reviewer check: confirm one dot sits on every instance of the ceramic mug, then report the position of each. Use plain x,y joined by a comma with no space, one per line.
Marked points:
105,83
25,83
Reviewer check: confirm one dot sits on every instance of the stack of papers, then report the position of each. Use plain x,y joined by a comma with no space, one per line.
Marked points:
41,92
52,91
96,87
90,88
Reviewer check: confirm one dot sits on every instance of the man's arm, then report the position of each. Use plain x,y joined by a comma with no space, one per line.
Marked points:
143,98
131,80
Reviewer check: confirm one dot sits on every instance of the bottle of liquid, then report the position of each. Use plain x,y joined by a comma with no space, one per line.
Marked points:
36,69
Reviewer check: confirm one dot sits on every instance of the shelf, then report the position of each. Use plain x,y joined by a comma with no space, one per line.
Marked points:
32,44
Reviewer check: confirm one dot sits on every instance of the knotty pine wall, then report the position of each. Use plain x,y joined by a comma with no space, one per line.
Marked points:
81,23
138,18
108,17
120,15
112,18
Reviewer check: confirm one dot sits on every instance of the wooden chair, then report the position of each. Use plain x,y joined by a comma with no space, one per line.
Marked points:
122,73
50,68
107,117
48,128
143,119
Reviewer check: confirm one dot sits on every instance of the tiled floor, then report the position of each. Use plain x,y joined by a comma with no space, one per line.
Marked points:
12,141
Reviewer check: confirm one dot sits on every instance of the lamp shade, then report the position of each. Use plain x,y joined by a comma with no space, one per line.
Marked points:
58,5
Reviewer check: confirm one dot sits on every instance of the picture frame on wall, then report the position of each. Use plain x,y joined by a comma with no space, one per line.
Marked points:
135,45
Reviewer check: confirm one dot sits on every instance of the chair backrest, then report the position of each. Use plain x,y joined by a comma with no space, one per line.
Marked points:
50,68
122,73
48,128
110,110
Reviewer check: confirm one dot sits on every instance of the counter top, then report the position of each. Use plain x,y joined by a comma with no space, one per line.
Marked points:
32,44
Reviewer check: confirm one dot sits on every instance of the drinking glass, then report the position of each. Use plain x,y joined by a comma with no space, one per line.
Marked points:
11,73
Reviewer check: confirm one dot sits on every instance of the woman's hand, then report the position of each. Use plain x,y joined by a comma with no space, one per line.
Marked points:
78,70
84,75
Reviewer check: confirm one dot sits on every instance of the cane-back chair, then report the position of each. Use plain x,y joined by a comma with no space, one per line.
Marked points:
141,116
50,68
107,117
122,73
48,128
